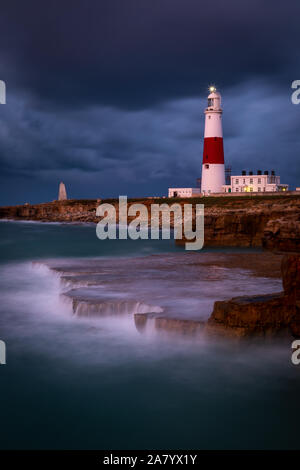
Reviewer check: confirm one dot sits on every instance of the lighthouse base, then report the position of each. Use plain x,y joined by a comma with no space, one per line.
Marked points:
213,178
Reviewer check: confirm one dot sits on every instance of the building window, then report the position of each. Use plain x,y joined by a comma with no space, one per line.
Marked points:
236,181
206,166
259,189
259,180
236,190
251,190
244,181
251,180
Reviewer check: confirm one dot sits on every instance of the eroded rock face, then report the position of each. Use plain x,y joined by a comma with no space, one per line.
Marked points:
90,303
290,268
168,324
249,223
283,234
262,315
57,211
244,316
255,315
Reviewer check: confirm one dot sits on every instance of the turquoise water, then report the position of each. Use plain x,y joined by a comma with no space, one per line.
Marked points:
32,240
80,383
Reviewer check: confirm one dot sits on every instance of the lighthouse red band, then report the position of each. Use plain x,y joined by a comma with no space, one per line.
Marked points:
213,172
213,151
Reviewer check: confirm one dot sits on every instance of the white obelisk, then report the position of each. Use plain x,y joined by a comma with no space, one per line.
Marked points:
62,193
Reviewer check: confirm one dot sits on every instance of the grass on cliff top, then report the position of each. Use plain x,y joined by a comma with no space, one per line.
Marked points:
208,201
211,200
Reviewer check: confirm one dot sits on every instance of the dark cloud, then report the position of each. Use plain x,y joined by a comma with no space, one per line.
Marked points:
136,52
108,95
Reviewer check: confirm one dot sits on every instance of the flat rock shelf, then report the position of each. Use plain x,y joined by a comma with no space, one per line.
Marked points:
166,293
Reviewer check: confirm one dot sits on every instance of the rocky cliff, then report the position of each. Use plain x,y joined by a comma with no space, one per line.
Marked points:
241,221
283,233
56,211
248,222
268,314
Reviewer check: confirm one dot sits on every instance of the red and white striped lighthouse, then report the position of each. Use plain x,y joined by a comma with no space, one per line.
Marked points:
213,174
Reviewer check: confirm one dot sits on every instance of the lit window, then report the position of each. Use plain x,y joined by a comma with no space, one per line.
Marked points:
251,190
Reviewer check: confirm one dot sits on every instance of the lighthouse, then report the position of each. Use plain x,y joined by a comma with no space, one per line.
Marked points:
213,174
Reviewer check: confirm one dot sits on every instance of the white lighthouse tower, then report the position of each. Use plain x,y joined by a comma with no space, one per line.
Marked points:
213,174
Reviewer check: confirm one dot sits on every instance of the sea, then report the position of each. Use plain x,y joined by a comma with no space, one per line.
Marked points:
73,382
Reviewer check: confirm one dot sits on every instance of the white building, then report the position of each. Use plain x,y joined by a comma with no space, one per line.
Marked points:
255,183
184,192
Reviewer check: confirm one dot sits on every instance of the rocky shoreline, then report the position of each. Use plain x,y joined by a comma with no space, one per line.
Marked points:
273,224
172,299
271,314
248,221
95,289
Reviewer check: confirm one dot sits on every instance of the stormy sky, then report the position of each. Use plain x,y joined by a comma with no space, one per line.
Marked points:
108,95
